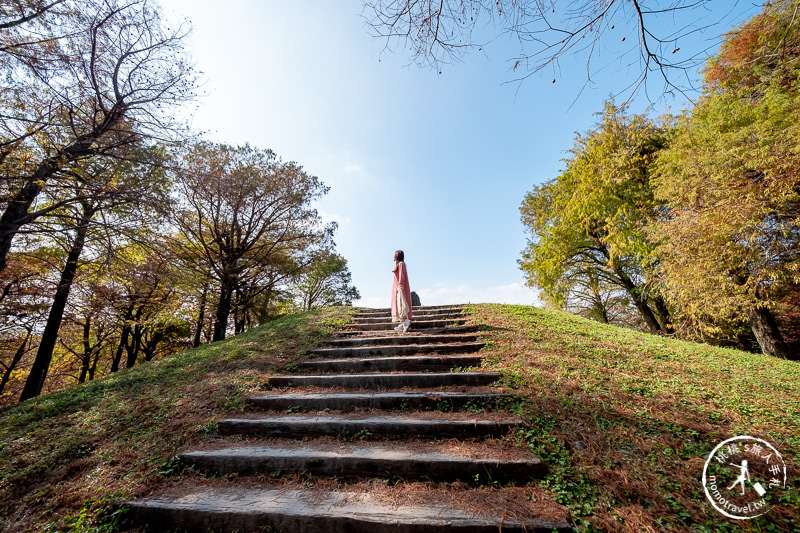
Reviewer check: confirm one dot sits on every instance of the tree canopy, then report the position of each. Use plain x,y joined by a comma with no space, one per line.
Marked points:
242,216
124,238
587,225
85,78
700,212
731,243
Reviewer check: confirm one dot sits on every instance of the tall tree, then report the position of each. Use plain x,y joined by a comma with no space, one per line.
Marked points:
88,339
588,224
25,295
98,79
140,289
326,282
241,209
731,245
44,354
108,187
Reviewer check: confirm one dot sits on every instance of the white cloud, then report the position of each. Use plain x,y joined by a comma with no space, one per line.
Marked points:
354,174
355,168
445,294
342,220
513,293
374,302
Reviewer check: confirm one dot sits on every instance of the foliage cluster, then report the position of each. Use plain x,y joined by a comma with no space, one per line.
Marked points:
694,220
122,236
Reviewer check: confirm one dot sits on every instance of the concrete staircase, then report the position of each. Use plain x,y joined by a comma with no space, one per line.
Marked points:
411,406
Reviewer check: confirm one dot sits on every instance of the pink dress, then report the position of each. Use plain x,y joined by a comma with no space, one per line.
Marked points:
400,283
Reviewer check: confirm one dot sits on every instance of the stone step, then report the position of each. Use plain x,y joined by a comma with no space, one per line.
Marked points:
228,509
362,460
381,381
387,340
415,324
416,308
388,401
450,330
419,363
416,311
371,351
303,426
422,316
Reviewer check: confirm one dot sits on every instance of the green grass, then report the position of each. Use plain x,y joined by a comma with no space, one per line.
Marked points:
66,458
625,419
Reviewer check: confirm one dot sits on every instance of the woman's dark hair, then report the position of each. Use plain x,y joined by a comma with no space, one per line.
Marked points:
399,255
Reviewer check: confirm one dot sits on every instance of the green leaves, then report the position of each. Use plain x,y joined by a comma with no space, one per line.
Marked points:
587,225
729,179
697,216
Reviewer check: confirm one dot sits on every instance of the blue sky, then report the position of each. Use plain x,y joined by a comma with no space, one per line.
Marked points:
436,165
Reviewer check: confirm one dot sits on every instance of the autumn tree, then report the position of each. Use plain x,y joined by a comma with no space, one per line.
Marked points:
140,289
598,299
24,297
87,331
731,245
587,225
241,213
108,192
325,282
88,77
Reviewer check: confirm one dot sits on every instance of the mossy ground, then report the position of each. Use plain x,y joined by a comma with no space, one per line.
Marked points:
624,420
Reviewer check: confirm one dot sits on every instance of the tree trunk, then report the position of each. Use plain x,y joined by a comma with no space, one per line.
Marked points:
240,312
16,214
664,315
647,314
136,342
599,305
150,346
223,309
86,359
238,322
14,362
201,316
123,341
769,337
93,368
640,303
41,364
602,313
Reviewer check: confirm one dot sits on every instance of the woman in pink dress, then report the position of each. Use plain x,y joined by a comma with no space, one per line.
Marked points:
401,293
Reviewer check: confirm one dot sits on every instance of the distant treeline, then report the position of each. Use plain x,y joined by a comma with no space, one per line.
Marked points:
122,236
687,225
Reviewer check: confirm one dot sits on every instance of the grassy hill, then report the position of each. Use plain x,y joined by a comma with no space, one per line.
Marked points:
624,420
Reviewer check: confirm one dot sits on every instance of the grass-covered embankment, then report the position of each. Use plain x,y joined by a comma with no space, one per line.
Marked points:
625,420
67,457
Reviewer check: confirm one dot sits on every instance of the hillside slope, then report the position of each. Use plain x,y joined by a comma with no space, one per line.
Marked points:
623,419
626,419
67,457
